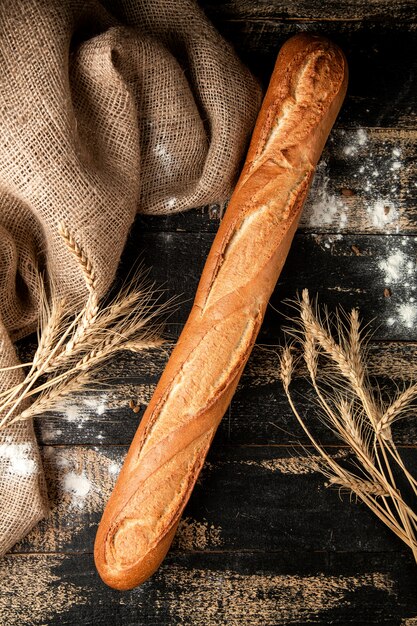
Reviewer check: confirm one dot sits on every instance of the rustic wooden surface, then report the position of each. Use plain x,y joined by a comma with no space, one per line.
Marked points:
262,541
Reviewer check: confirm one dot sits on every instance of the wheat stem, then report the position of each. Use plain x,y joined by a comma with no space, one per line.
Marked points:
395,409
352,411
15,367
70,349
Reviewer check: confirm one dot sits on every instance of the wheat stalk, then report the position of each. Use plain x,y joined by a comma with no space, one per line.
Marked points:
91,307
72,349
348,405
397,408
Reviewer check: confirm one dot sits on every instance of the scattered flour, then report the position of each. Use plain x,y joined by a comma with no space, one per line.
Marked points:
71,412
171,202
114,468
324,208
80,481
359,139
74,412
400,270
165,158
98,405
101,409
61,461
408,313
362,137
161,151
330,207
78,486
382,213
393,266
18,458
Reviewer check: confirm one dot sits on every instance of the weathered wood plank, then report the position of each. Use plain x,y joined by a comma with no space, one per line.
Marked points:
404,10
200,589
381,57
262,541
347,270
259,412
365,182
247,498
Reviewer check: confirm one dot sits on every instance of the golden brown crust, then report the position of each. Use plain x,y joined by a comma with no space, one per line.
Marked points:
304,96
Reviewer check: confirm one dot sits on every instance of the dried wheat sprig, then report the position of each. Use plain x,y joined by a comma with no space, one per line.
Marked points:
310,354
286,367
397,407
71,350
123,336
15,395
49,399
138,346
51,320
358,485
351,429
354,413
81,257
127,334
95,358
130,311
355,343
338,355
92,305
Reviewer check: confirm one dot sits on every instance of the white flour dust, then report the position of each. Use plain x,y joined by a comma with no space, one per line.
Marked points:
114,469
17,458
324,208
373,206
399,269
81,412
393,266
71,412
382,213
97,404
171,202
78,486
83,477
358,140
408,314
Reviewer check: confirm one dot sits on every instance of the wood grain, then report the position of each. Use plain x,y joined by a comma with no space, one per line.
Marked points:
259,413
380,54
332,10
349,271
263,541
294,511
208,589
351,178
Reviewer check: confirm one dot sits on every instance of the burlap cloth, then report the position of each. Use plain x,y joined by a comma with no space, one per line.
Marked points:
104,111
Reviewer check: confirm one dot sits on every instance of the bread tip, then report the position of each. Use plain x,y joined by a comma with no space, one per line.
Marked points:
122,578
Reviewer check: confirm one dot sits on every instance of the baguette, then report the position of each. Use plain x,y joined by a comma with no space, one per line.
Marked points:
168,451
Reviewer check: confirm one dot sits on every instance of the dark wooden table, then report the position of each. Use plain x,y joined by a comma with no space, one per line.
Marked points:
262,541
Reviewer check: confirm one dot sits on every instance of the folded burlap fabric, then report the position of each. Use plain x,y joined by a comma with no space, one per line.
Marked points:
104,111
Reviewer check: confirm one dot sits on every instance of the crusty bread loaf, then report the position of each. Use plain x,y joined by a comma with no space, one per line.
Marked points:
168,451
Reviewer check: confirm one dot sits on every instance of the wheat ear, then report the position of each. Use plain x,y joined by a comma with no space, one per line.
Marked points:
348,405
72,348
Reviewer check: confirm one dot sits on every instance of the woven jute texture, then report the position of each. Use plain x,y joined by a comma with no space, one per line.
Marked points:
105,110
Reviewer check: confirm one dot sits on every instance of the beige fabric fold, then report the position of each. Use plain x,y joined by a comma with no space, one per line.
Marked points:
104,111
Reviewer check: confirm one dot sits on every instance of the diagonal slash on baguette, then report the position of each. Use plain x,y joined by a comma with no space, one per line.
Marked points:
305,93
